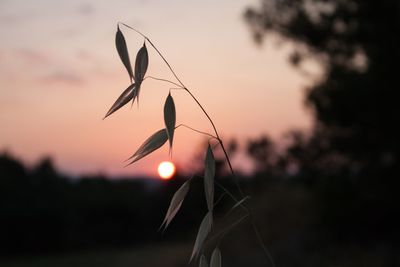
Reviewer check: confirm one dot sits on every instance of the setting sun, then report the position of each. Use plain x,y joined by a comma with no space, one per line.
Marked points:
166,170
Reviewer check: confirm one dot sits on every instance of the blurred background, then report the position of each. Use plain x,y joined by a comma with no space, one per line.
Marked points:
303,95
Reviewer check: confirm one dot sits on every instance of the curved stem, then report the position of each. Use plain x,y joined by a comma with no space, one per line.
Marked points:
223,232
217,137
249,213
164,80
215,130
166,62
261,241
255,229
219,140
219,200
158,51
205,113
126,25
253,224
231,195
198,131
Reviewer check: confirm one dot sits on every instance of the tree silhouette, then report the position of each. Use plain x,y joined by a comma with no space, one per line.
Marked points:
351,157
357,42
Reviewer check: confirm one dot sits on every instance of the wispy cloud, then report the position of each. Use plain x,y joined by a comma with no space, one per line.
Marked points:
32,57
86,9
41,67
9,19
62,77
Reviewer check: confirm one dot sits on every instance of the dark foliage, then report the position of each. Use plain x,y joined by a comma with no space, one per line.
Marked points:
358,44
351,159
42,211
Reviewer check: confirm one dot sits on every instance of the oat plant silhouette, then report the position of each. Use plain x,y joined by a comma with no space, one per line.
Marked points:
159,138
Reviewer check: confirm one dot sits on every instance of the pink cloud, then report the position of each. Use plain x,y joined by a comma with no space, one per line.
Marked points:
62,76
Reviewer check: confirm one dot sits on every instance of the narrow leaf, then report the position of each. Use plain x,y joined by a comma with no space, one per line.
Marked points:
170,119
209,178
176,203
204,230
153,143
141,64
203,261
237,204
125,97
123,52
215,258
136,94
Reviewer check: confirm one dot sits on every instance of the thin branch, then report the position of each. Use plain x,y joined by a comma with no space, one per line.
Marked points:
194,98
144,36
187,90
198,131
216,136
166,62
158,51
236,180
219,200
220,141
205,113
236,205
223,232
164,80
252,222
260,240
231,196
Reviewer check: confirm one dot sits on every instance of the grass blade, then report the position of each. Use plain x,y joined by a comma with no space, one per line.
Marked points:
170,119
215,258
125,97
122,49
141,64
209,178
203,261
152,143
204,230
237,204
176,203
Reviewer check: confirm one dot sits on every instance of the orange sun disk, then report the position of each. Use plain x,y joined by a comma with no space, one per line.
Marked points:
166,170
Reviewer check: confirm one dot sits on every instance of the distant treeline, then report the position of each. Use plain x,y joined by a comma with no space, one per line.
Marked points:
42,211
309,215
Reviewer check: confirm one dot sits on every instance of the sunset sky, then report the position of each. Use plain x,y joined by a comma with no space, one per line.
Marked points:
60,73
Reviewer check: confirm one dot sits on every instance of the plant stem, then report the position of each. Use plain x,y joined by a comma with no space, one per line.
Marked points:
260,240
223,232
158,51
255,229
208,117
198,131
164,80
